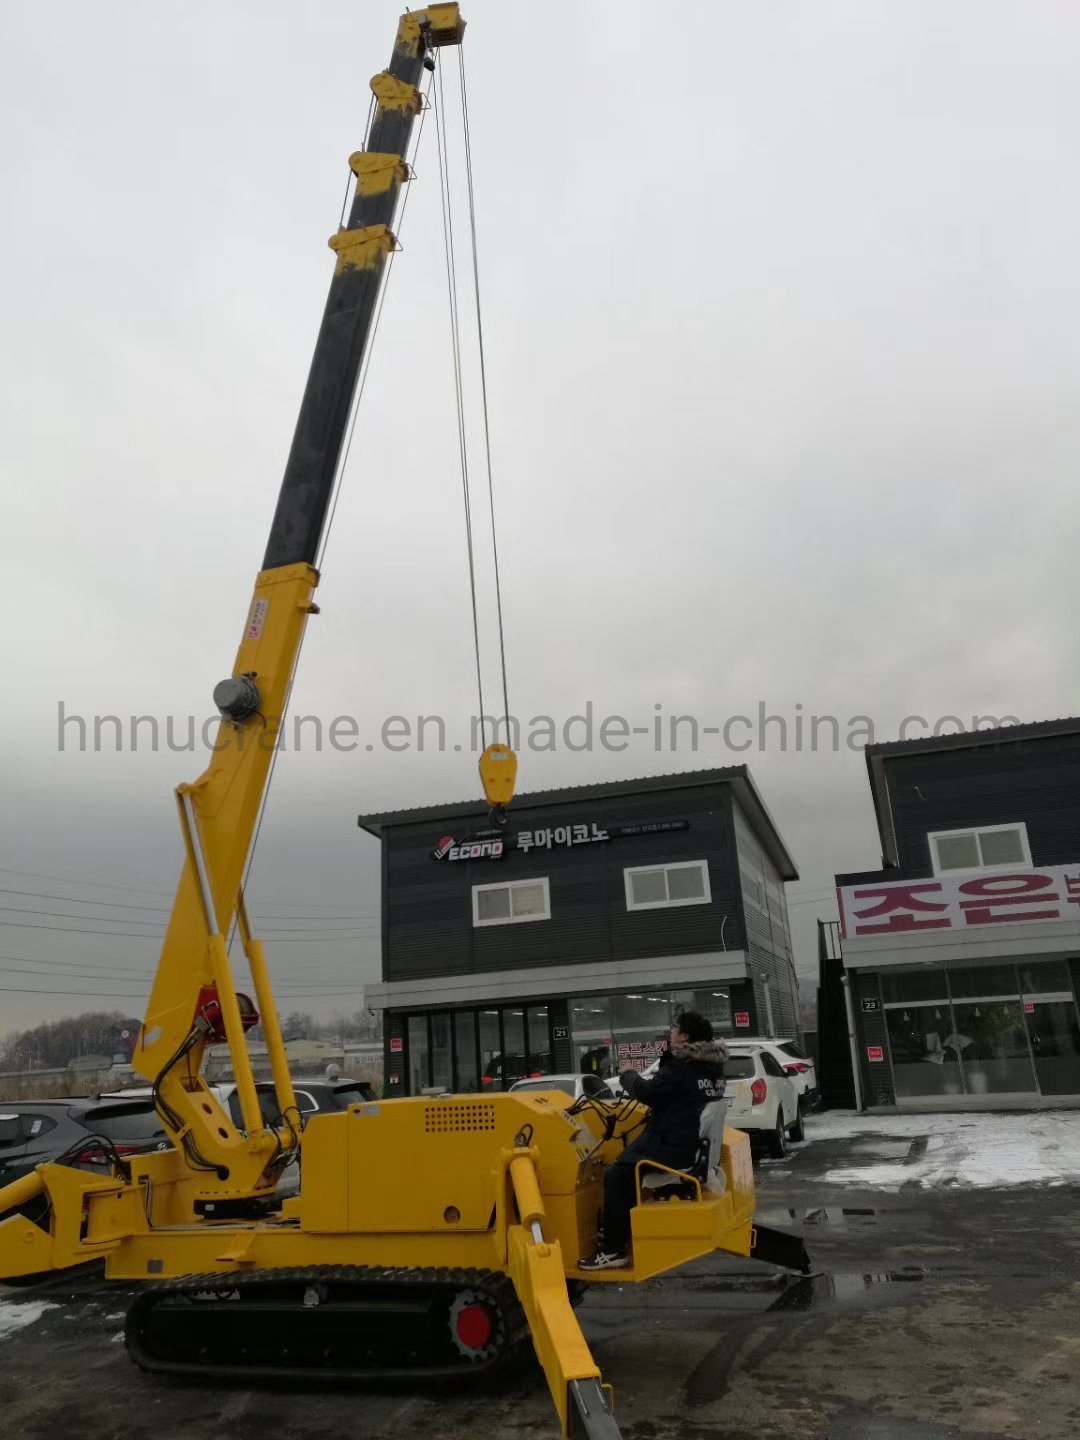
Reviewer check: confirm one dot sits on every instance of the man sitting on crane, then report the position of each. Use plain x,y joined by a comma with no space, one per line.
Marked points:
689,1077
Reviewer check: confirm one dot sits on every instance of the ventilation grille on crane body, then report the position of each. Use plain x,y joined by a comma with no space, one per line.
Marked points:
441,1119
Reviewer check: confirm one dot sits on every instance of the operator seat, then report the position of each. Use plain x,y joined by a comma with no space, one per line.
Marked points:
707,1168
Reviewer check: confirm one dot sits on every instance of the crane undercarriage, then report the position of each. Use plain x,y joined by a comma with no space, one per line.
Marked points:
432,1239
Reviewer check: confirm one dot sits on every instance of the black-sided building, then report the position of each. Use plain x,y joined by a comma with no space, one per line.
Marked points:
569,940
962,953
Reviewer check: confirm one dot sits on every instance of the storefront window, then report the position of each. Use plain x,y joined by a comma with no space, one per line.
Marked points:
418,1053
925,1059
983,980
465,1045
715,1005
611,1031
914,985
515,1066
441,1069
640,1025
539,1033
641,1016
1046,978
590,1025
490,1050
993,1048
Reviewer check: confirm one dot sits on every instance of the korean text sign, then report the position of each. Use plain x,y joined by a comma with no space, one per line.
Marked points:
957,902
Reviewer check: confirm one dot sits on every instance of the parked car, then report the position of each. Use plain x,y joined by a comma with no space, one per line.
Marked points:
311,1097
796,1063
35,1131
762,1099
573,1085
503,1071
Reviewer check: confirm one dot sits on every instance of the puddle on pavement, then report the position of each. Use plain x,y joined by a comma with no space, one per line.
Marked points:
819,1215
761,1294
815,1290
709,1380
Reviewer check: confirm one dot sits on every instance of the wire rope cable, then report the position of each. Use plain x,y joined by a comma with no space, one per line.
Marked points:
459,394
483,379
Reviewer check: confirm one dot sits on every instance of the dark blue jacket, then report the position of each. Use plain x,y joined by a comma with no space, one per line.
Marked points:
688,1078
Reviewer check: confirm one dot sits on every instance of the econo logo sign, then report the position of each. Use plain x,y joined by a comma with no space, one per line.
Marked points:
449,849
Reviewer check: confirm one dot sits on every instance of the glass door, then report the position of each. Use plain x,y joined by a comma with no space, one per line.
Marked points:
923,1045
993,1047
538,1032
1054,1031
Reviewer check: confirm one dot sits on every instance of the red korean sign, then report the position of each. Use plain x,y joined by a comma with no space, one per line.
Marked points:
1029,1008
742,1019
397,1045
875,1053
957,902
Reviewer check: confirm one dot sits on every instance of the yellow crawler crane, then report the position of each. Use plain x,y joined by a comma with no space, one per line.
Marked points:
433,1236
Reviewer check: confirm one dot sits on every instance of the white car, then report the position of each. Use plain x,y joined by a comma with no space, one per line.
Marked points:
573,1085
762,1100
796,1064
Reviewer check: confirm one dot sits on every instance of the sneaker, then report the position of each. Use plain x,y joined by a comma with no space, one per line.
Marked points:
605,1260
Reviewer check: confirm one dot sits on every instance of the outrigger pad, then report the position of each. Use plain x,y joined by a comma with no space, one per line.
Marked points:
589,1412
780,1247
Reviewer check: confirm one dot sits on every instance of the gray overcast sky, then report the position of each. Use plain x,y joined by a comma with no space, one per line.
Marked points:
781,315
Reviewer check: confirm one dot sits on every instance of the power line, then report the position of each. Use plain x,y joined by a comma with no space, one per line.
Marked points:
155,909
143,970
134,935
153,890
135,993
74,900
357,929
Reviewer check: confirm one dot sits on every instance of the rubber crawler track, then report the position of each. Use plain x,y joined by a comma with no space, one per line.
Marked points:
336,1323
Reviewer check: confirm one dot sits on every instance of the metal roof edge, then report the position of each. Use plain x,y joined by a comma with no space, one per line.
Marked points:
378,822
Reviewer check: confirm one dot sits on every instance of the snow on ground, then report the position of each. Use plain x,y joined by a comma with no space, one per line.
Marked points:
15,1317
963,1151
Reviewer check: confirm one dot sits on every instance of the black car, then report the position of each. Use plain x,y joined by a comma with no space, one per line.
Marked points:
312,1097
35,1131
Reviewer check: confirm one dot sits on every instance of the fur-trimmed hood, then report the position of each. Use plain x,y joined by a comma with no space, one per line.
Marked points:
711,1050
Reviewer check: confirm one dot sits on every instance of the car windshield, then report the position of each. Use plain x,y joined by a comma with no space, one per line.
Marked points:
739,1067
550,1083
790,1048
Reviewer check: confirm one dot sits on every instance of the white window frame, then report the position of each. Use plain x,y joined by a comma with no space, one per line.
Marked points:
633,870
511,919
934,836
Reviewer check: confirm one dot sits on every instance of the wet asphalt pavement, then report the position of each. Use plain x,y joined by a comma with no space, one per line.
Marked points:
931,1315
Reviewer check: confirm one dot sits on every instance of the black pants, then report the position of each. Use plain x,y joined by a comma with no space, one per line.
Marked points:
620,1189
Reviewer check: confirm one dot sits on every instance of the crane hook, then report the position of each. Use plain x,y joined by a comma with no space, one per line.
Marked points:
498,772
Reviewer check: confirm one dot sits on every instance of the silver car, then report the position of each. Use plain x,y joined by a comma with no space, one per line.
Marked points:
573,1085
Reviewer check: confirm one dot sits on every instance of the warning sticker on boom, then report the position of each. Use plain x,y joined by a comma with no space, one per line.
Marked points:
257,618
